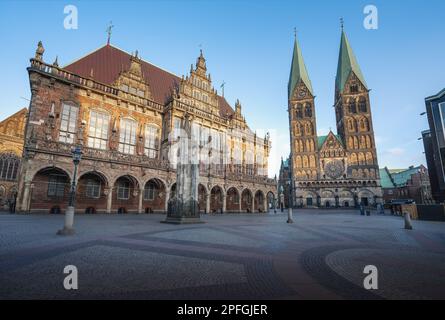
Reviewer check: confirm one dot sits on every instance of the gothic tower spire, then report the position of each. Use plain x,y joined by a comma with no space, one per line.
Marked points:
354,117
302,121
347,64
298,72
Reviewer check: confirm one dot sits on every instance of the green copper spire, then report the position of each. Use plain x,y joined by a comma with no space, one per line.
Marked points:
298,71
347,63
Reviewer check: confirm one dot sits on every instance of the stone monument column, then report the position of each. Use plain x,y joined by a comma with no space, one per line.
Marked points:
184,206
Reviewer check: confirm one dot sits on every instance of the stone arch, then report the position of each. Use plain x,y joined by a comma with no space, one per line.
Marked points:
232,200
368,142
366,197
50,188
363,104
172,190
305,161
361,159
3,195
259,200
351,125
246,200
216,199
312,161
125,194
353,159
309,198
298,162
271,201
92,190
369,158
154,195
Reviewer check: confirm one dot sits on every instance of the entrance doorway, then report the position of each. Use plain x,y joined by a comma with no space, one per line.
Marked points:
309,202
365,202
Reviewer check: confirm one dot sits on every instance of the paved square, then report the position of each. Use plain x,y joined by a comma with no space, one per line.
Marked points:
321,256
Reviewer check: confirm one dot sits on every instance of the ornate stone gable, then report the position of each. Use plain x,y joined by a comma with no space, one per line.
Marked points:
301,92
132,82
12,131
196,88
332,144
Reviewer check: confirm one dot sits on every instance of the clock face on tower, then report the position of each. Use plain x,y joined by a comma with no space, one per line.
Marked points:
302,92
334,169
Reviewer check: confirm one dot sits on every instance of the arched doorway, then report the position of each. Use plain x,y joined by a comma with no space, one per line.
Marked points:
125,195
90,196
154,196
172,191
259,201
246,201
202,198
216,200
232,200
50,189
271,201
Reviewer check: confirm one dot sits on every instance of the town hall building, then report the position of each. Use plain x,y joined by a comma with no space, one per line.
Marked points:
125,114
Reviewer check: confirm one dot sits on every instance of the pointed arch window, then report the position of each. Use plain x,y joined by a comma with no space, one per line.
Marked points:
299,111
98,130
308,110
352,106
362,105
151,141
9,165
68,123
127,138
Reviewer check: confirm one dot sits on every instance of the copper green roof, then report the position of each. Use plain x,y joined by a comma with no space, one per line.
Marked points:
322,139
385,179
347,63
298,71
401,178
392,178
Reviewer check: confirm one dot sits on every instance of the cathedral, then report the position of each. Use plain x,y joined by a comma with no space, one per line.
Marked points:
125,114
339,169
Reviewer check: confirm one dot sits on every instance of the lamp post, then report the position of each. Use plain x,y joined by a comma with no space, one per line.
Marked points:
289,213
69,213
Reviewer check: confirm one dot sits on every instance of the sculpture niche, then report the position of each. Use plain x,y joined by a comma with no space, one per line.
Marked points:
183,207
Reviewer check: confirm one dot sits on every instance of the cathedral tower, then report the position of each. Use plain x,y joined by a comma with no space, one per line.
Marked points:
303,129
354,118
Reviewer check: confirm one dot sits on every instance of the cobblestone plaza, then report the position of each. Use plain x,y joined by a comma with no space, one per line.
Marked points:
321,256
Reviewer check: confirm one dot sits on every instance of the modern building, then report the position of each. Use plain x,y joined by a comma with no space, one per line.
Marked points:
336,170
410,185
434,144
12,131
126,114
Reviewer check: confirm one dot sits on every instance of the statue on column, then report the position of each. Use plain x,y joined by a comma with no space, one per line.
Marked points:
184,206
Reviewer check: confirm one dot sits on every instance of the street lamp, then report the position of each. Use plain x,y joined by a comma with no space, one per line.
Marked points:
69,213
289,213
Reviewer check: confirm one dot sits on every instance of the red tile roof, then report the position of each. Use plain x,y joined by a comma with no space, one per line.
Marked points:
107,62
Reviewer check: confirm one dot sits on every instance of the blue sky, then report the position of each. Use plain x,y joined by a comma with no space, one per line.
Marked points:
248,44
